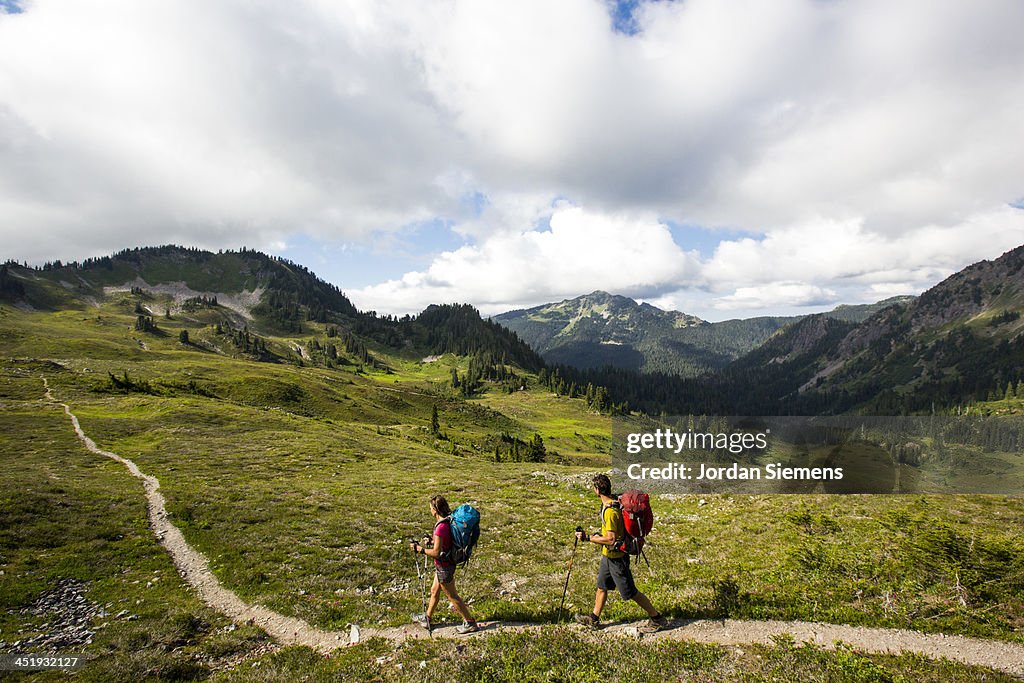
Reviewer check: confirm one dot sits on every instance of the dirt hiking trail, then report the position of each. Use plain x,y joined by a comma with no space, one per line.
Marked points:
194,567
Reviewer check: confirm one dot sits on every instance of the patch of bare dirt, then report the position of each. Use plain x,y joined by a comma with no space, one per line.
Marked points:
241,304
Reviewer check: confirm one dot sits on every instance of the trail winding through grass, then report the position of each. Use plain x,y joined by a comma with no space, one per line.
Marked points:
195,568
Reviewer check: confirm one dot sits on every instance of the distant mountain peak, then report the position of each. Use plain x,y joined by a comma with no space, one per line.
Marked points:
600,328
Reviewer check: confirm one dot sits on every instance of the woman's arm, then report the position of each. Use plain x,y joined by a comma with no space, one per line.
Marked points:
434,552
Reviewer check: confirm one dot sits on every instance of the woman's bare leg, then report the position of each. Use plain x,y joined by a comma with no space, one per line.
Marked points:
457,602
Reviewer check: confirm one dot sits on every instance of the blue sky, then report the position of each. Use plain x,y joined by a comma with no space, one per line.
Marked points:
622,12
388,256
364,262
726,159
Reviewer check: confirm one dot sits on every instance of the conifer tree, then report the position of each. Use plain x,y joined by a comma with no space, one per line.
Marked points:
536,451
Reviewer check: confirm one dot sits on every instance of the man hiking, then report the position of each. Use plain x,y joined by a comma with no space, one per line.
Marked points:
444,569
614,571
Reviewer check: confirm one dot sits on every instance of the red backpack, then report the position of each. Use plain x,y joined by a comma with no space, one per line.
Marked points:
638,520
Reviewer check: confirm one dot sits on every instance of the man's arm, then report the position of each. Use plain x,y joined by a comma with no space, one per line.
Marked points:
599,538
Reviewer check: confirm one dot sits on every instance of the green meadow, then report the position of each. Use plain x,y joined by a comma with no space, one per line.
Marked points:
302,481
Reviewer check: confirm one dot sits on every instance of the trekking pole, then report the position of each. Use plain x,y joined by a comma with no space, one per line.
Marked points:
422,574
423,585
565,588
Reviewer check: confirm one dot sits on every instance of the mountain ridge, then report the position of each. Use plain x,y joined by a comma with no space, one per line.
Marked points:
962,340
263,292
642,337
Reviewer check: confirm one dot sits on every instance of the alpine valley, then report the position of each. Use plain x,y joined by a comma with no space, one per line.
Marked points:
960,342
294,441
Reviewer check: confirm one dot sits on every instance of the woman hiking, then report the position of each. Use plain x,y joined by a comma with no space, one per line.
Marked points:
444,569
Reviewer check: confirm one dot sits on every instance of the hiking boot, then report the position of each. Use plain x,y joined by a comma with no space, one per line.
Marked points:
653,625
467,627
588,620
421,620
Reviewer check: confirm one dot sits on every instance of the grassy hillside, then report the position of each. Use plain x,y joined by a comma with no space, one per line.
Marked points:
253,291
302,480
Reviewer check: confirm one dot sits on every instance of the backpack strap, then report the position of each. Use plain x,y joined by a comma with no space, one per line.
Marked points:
614,505
447,552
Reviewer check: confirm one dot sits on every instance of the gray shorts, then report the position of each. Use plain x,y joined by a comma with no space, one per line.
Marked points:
615,573
445,574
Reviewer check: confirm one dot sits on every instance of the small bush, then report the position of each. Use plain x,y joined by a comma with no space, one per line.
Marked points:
727,596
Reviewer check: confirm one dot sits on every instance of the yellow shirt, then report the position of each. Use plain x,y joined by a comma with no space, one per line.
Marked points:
611,522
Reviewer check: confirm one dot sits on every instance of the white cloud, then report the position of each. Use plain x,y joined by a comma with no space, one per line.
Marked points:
870,144
787,272
844,251
887,290
581,252
222,122
757,114
776,294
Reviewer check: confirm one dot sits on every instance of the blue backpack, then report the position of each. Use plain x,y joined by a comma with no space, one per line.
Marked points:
465,525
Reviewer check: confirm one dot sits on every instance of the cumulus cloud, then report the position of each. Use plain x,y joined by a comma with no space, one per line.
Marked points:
857,141
809,266
211,123
845,251
757,113
776,294
580,252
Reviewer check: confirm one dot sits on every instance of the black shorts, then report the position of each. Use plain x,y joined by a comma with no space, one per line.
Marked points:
615,573
445,574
